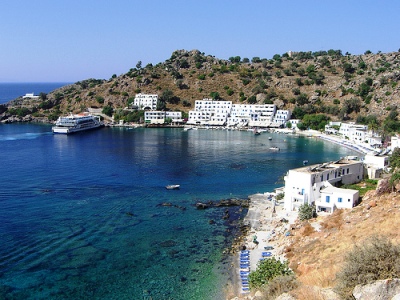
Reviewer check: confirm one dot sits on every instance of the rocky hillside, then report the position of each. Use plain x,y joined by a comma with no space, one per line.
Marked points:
317,249
341,86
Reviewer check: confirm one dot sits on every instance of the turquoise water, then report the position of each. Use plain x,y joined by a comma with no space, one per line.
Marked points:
81,215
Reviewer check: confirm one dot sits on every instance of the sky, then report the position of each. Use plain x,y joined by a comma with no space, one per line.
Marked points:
73,40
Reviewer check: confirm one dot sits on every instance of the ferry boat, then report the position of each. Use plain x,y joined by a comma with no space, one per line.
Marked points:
74,123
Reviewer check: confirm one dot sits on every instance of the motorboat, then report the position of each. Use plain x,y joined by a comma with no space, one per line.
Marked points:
173,187
74,123
274,148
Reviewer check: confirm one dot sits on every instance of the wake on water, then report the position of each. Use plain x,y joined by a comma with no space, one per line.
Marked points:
23,136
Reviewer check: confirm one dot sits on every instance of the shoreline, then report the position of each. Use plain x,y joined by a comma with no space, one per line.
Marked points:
269,224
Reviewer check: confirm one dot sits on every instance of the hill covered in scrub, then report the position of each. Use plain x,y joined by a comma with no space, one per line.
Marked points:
343,87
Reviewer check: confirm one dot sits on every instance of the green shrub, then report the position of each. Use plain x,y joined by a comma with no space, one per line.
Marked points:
268,269
100,99
306,212
108,110
374,259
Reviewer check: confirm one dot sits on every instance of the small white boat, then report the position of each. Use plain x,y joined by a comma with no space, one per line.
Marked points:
270,138
173,187
274,148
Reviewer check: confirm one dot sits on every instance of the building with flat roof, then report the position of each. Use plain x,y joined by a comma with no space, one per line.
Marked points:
145,101
159,117
310,184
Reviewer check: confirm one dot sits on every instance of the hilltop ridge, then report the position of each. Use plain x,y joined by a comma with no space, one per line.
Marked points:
341,86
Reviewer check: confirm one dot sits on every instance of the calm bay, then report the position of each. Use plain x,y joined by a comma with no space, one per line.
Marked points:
81,215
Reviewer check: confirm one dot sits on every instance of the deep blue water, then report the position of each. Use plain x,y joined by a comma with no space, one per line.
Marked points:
11,91
80,215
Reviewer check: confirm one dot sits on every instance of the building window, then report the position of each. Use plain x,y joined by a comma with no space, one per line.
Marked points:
340,200
328,198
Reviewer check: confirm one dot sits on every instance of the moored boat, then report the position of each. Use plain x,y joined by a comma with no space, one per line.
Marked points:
274,148
173,187
74,123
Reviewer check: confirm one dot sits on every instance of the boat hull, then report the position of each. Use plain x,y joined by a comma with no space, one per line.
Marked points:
66,130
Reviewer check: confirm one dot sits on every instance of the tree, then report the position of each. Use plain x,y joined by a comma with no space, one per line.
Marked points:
108,110
215,95
252,100
276,57
161,105
306,212
268,269
302,99
167,95
43,96
298,113
394,159
139,64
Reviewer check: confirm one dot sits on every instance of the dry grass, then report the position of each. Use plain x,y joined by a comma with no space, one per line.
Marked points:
307,293
316,257
334,221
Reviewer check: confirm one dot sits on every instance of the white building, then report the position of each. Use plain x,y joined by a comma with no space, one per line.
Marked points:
294,123
376,165
304,185
145,101
255,115
394,142
354,132
210,112
281,117
159,117
30,95
331,127
333,198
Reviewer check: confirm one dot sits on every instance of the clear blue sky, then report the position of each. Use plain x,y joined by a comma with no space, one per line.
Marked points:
71,40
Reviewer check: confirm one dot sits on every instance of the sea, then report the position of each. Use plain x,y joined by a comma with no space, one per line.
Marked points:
87,216
11,91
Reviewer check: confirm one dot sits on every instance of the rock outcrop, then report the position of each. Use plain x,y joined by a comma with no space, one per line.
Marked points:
388,289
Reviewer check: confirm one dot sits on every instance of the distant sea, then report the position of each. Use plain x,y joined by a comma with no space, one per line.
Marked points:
11,91
88,216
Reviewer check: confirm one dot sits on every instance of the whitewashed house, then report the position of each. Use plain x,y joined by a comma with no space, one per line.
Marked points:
304,185
394,142
330,128
376,165
354,132
30,96
294,123
159,117
333,198
262,115
281,117
210,112
145,101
